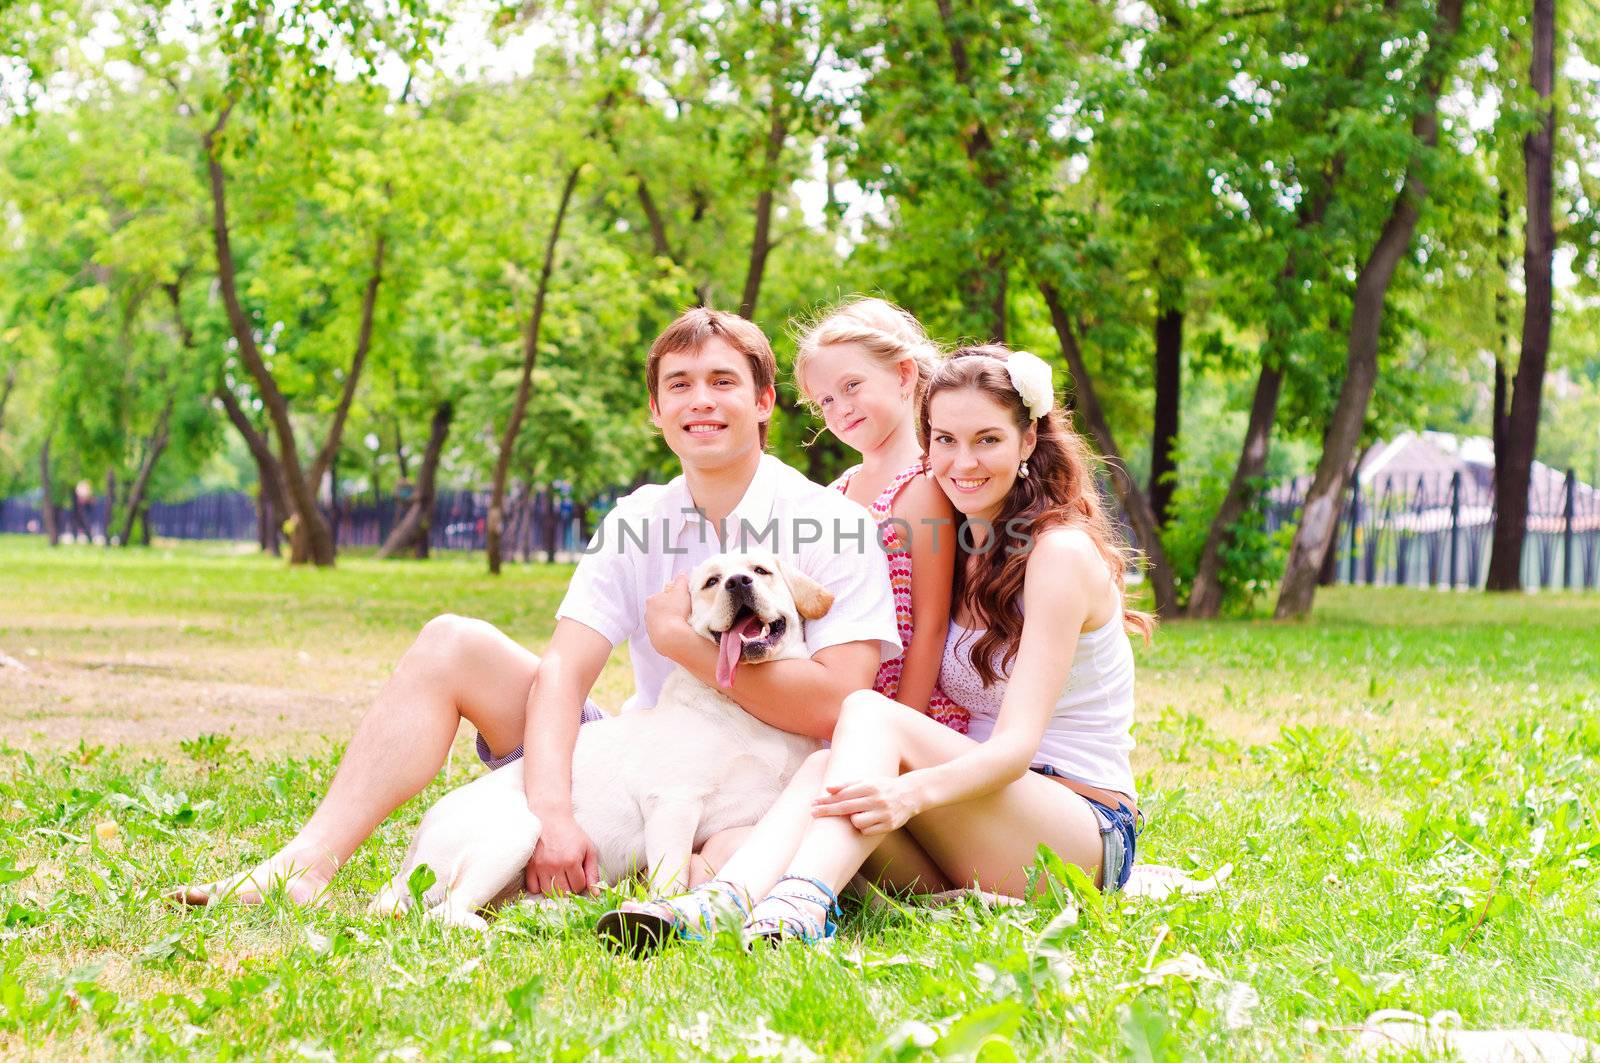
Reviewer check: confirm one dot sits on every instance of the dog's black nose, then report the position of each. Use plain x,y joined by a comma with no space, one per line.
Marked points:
738,582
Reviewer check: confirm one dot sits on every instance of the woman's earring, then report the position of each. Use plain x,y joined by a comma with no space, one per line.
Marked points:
1022,470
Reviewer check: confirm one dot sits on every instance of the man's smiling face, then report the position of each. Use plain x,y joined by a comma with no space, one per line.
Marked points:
707,406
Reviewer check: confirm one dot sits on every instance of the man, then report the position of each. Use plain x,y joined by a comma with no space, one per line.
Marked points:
710,377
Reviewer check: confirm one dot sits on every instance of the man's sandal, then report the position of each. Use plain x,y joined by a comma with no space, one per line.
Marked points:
786,919
642,927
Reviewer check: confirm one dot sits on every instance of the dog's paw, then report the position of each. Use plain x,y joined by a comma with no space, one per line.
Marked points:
390,902
458,915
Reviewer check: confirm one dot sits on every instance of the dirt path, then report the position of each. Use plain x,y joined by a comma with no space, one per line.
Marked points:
147,683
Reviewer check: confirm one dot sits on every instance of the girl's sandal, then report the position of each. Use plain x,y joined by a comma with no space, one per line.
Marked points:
794,921
642,927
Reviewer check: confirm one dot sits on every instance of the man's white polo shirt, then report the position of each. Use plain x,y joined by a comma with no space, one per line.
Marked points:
655,534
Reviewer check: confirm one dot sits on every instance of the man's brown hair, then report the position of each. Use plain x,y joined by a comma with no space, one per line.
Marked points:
698,326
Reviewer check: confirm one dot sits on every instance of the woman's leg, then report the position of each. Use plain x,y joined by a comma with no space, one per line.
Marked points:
900,865
989,841
457,669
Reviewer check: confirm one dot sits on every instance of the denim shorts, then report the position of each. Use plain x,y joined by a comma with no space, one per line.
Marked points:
591,713
1119,837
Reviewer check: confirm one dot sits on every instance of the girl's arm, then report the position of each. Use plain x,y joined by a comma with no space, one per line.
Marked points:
931,517
1064,577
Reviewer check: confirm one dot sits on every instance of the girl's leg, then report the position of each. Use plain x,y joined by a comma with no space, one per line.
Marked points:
771,843
989,841
899,864
716,852
762,852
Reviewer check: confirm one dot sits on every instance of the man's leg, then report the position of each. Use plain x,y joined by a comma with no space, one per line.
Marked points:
457,669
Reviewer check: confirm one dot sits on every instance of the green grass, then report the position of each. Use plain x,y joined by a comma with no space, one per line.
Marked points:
1405,787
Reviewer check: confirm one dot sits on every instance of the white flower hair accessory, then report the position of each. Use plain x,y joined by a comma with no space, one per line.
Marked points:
1031,376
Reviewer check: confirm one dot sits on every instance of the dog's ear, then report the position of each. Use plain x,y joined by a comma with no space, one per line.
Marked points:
811,598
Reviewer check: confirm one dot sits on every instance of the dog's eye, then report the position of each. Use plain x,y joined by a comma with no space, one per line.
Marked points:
712,582
761,571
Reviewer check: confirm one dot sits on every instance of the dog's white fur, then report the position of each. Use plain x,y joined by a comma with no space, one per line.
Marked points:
648,787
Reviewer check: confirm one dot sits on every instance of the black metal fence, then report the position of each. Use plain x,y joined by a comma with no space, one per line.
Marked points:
1429,530
1435,530
537,522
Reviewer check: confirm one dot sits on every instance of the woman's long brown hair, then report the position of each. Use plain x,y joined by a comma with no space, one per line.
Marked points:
1060,490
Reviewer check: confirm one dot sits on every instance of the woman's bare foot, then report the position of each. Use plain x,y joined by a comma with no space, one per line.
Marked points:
302,875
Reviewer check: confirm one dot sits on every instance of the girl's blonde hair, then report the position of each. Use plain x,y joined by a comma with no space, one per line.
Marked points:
886,333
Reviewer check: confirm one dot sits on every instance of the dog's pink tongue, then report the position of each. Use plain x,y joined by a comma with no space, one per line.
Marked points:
728,653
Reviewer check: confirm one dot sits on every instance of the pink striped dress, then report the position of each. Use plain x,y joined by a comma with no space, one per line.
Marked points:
940,707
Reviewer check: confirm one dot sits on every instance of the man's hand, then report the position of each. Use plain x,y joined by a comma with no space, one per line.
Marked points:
875,806
564,861
666,613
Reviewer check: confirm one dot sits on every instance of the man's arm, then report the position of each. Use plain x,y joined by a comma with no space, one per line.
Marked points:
802,697
564,860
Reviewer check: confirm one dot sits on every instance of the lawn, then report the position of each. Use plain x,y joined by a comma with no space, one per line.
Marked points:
1404,788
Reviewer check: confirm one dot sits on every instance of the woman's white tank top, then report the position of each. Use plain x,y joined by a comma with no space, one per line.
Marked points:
1089,734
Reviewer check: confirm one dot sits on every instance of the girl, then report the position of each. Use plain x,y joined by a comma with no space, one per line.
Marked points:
865,366
1038,649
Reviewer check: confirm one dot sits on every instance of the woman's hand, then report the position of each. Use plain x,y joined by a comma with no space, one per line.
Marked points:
875,806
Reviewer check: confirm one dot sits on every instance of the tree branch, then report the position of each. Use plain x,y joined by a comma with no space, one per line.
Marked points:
369,300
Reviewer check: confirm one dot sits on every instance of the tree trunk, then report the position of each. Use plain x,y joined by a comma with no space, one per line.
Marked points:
5,393
80,519
47,504
552,526
274,506
1499,416
519,407
1134,502
513,542
400,451
1501,411
659,243
1164,437
311,529
1320,514
111,501
266,523
1513,469
761,242
141,482
1205,597
413,530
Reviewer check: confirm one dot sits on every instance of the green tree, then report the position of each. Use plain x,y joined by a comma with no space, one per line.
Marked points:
1392,244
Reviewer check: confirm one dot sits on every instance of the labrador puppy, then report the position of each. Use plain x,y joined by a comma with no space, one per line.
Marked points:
648,787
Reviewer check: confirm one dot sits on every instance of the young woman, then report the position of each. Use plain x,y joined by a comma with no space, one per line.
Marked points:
1037,650
864,367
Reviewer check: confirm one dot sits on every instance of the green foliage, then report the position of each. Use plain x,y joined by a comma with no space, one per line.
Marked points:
1233,163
